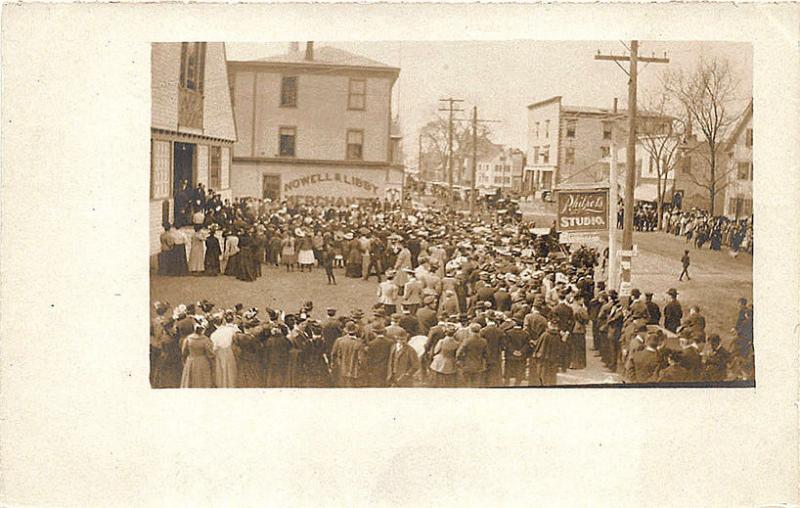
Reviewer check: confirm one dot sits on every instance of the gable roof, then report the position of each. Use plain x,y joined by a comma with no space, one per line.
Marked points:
743,118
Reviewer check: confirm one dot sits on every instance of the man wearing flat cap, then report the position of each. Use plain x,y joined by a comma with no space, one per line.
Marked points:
472,355
403,361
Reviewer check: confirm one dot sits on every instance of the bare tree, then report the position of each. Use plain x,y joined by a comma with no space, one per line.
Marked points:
706,94
434,139
661,137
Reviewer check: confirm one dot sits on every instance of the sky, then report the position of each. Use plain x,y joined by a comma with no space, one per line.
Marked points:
502,77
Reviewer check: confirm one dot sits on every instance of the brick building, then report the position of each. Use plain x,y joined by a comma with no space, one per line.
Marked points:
192,128
315,126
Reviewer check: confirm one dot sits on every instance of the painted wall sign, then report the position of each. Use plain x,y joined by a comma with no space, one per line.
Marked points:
326,179
582,210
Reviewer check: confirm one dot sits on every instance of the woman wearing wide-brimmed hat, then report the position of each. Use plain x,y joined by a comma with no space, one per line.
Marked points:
197,254
225,374
354,258
213,251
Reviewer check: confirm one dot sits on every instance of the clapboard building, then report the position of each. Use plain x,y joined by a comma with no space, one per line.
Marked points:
315,127
192,128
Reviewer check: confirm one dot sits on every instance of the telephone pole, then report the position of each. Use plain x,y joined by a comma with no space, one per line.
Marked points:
474,168
630,161
450,103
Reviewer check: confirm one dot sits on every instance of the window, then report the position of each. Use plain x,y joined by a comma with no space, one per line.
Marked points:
547,128
537,129
686,166
536,155
357,95
571,126
214,167
159,169
607,130
498,168
498,180
506,168
289,92
355,145
569,156
193,59
748,141
286,145
605,151
546,154
507,180
743,171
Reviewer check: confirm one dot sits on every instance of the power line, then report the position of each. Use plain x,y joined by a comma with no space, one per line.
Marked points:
450,109
630,166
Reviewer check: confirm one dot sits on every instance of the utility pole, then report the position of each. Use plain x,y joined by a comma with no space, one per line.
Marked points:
450,102
475,161
419,158
630,161
474,169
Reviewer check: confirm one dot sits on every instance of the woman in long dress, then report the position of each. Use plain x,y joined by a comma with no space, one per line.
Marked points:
354,258
213,252
288,252
230,256
224,359
247,270
180,266
198,356
249,355
197,256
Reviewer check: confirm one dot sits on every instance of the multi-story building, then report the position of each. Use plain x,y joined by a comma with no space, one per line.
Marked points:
192,128
315,127
570,145
738,190
498,168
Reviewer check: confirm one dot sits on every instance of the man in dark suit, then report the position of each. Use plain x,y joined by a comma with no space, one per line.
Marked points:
654,313
331,330
472,356
535,323
515,347
426,315
566,323
673,312
694,326
502,298
643,365
715,366
692,360
403,363
494,337
409,322
378,350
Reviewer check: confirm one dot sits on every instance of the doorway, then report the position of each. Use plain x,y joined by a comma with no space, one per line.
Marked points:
272,188
183,170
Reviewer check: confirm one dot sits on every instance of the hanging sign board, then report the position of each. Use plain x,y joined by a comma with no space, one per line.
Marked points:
582,210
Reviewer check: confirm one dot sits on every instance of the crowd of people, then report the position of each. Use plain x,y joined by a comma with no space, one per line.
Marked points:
697,226
460,302
700,227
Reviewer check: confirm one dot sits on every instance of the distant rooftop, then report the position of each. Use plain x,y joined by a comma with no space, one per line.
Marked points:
587,110
326,55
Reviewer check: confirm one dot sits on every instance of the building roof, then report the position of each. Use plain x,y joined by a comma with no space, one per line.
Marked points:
327,56
587,110
743,118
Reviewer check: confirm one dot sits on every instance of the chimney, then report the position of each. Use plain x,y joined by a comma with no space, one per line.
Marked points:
615,106
310,50
294,47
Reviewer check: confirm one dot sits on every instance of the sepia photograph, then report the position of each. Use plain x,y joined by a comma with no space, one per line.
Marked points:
451,214
400,254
